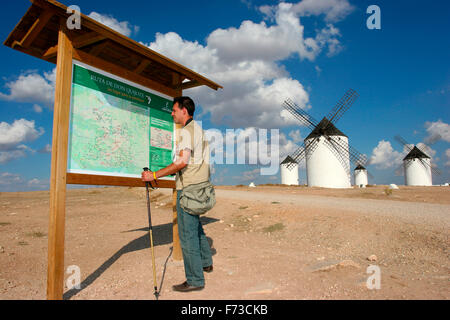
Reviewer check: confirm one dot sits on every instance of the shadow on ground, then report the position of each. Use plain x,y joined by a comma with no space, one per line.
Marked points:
162,235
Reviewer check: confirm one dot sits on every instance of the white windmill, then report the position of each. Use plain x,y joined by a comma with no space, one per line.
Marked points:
416,165
289,176
326,148
360,174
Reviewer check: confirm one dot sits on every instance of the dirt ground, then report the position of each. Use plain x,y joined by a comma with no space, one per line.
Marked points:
268,242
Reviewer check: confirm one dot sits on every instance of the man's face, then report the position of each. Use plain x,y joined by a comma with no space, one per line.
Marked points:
177,114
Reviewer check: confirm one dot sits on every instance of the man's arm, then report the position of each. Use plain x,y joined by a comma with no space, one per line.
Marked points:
180,163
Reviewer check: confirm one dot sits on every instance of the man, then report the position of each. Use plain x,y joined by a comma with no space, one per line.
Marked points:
191,167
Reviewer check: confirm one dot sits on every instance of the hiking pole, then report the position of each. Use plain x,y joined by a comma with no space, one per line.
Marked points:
151,238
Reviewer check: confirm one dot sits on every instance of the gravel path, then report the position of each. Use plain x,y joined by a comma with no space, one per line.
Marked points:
436,215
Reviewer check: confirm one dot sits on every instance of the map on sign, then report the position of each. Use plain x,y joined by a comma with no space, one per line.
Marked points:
161,138
117,127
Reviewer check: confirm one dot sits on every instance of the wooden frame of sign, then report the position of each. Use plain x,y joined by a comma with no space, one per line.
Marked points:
43,33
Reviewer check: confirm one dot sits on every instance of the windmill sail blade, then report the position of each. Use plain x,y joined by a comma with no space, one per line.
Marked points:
433,169
300,114
336,150
399,171
312,145
422,149
355,156
403,142
342,106
300,153
296,156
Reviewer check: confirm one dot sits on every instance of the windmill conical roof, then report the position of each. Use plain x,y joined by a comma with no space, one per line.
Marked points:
360,167
416,153
325,127
288,160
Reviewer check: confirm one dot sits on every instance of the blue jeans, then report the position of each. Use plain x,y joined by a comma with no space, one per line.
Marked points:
194,245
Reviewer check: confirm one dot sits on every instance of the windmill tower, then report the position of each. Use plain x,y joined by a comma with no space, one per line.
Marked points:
360,174
417,168
326,148
416,165
289,176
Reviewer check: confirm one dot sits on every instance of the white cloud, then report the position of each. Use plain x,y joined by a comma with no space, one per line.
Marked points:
318,70
247,176
32,87
37,108
437,131
123,27
38,89
19,151
384,156
191,54
18,132
15,182
268,11
251,175
38,184
334,10
257,41
254,89
245,61
46,149
327,37
295,135
12,137
7,178
248,3
33,182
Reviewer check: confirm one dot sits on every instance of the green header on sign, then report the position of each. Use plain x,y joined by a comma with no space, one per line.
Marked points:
102,83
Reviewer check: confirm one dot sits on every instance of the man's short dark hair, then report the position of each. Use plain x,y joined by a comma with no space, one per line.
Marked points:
186,103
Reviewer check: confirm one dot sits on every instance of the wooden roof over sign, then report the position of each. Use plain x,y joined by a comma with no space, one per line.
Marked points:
37,34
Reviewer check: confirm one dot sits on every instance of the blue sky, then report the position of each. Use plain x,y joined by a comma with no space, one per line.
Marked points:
262,52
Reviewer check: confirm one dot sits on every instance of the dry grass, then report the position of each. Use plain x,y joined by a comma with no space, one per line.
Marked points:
273,228
36,234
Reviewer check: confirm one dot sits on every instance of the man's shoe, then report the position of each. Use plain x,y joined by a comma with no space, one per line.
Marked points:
208,269
185,287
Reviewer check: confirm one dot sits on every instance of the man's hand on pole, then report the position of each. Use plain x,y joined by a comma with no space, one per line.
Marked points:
147,176
180,163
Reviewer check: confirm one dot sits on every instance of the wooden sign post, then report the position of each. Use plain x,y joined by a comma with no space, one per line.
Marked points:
56,232
43,33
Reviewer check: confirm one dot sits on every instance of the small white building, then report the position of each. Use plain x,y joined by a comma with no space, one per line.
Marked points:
327,162
360,174
417,167
289,171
